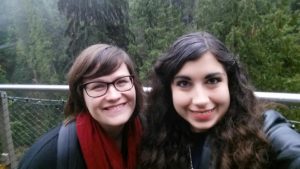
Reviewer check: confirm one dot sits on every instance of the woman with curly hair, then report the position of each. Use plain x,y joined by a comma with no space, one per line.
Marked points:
202,113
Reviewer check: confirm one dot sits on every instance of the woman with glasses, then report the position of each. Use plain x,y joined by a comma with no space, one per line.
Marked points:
103,127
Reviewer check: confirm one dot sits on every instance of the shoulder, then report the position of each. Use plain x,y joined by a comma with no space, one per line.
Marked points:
42,154
285,141
274,120
68,151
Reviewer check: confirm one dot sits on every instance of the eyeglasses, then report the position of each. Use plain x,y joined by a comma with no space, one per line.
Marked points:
99,88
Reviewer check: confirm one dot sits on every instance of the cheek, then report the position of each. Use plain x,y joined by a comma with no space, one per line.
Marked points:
223,96
89,102
179,99
131,98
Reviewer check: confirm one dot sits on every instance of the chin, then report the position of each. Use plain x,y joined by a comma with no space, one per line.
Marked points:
122,121
202,128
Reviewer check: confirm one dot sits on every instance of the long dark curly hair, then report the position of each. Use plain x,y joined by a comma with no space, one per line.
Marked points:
237,140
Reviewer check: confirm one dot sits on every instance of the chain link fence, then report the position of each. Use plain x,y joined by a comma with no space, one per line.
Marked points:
31,118
27,119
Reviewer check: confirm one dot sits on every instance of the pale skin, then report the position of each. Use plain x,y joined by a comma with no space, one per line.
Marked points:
200,92
113,109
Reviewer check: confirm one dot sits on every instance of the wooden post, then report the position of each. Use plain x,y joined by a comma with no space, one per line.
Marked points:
8,155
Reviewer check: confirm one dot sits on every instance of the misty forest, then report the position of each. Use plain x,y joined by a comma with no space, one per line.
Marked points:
39,39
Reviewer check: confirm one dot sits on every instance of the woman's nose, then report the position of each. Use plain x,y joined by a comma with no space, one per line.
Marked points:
200,95
112,93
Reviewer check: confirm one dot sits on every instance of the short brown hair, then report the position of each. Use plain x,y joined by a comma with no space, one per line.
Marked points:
94,61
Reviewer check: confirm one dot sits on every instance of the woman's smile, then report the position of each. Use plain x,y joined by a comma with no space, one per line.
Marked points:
200,92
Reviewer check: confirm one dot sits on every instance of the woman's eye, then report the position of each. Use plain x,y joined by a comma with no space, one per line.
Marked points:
183,83
97,86
214,80
121,82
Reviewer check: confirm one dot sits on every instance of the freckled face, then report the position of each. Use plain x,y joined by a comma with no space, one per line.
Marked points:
113,109
200,92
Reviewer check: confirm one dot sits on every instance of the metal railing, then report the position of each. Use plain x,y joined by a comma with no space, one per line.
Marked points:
274,96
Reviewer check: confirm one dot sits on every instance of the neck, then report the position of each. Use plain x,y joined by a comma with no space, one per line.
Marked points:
116,133
118,139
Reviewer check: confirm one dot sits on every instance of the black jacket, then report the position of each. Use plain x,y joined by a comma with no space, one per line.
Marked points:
43,153
285,142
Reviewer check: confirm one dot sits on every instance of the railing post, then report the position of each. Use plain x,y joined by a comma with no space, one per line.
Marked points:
8,155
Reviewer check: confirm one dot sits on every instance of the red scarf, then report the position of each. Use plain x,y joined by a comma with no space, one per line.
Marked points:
100,151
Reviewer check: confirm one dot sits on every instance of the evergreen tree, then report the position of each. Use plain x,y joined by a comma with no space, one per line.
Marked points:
155,24
265,34
95,21
7,54
39,44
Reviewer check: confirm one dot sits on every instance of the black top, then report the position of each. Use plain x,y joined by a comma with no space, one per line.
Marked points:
284,140
43,153
196,149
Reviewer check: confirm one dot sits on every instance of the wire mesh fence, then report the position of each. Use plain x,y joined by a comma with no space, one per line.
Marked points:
31,118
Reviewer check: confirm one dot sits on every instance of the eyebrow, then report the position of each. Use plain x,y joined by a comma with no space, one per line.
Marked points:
208,76
104,81
182,77
211,75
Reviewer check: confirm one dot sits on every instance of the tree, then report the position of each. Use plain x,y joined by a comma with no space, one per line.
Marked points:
269,46
7,54
265,34
94,21
217,16
155,24
39,45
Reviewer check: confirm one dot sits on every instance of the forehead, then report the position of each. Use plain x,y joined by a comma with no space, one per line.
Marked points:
207,63
119,72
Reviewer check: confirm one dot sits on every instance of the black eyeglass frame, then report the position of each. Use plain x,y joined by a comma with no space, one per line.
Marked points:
131,77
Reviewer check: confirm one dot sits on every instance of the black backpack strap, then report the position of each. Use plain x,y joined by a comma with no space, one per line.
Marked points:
68,149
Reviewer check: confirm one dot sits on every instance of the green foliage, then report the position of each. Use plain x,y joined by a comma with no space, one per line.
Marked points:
7,54
270,49
2,75
291,112
265,34
39,45
92,21
155,24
